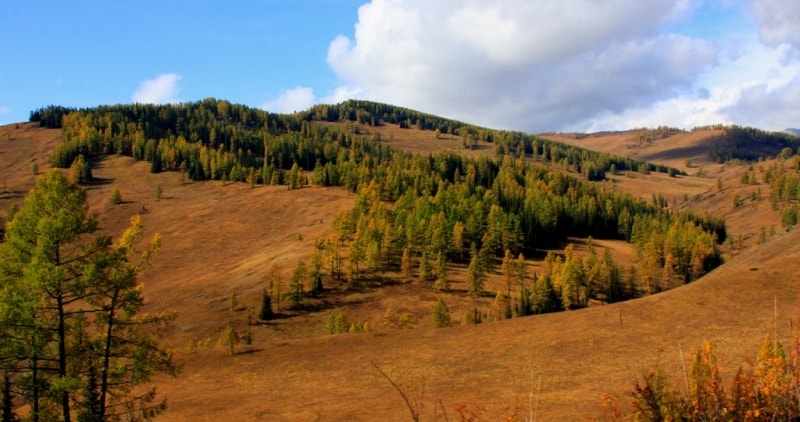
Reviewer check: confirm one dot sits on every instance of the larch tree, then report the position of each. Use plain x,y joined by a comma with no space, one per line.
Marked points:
229,339
441,314
296,286
70,311
406,264
441,283
476,275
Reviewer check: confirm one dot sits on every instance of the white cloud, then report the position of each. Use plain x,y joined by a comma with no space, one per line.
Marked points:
530,65
773,109
295,99
5,110
162,89
753,85
778,20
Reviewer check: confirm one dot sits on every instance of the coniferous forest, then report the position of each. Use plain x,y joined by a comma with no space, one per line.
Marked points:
414,211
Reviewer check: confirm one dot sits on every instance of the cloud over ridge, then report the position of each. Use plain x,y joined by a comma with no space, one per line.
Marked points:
569,65
162,89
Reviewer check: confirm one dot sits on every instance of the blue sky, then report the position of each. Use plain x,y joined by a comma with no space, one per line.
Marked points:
531,65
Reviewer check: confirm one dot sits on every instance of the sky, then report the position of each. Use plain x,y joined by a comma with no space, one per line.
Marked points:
528,65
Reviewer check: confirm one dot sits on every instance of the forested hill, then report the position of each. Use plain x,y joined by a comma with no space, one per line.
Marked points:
445,207
126,129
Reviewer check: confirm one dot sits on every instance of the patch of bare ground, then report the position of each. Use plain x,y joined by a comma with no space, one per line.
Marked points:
220,240
685,150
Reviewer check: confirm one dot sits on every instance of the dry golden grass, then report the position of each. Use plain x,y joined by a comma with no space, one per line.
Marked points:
222,239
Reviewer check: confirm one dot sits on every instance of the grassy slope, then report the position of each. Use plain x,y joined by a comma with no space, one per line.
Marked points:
220,240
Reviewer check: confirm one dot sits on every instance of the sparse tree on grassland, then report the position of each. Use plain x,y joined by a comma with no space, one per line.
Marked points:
229,338
275,286
441,283
316,268
476,275
502,307
116,197
441,314
298,277
265,313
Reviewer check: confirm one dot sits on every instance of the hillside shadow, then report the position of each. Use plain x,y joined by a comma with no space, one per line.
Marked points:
97,182
12,194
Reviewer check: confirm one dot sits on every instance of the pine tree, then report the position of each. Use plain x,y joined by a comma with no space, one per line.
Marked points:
441,314
265,313
65,286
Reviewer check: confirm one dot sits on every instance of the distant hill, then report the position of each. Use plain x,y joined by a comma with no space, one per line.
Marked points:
793,131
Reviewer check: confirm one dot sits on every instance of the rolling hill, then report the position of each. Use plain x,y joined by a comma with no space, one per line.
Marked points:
221,239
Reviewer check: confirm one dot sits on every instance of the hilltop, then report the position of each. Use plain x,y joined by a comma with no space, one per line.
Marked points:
221,238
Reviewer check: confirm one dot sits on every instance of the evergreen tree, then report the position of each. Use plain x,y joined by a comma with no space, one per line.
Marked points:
441,314
265,313
296,286
475,275
424,267
316,269
441,283
70,309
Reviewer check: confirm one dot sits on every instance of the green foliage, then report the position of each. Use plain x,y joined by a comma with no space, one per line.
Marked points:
296,286
751,144
405,263
441,314
73,337
441,283
502,306
339,324
116,197
410,208
79,170
265,313
789,217
229,339
476,276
